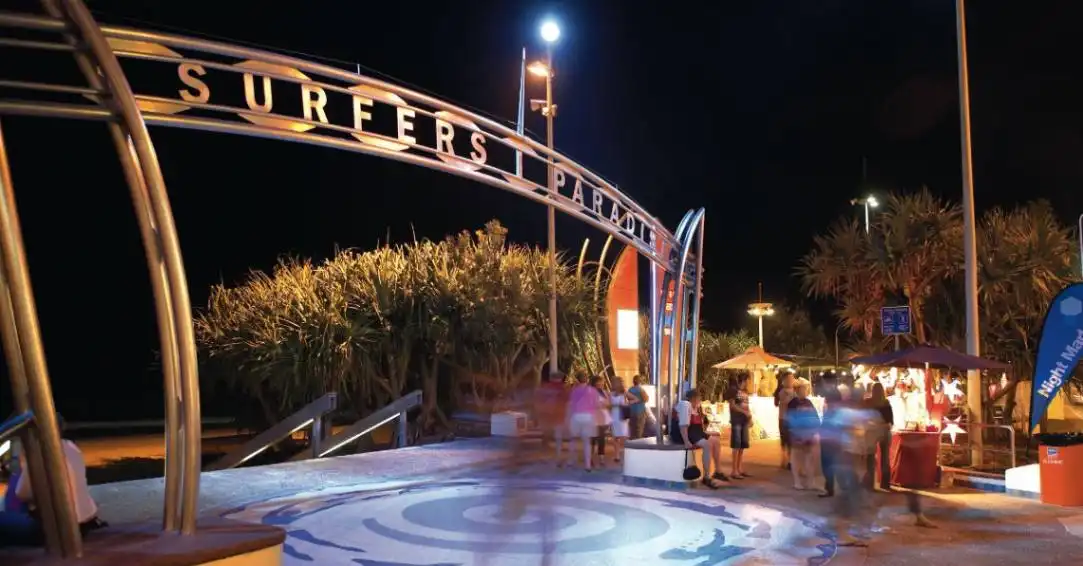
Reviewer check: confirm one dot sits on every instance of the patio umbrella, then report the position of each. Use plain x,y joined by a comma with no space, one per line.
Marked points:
926,355
753,358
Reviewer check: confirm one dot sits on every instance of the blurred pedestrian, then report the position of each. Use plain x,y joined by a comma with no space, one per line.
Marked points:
583,405
851,423
620,414
638,407
550,409
603,418
881,440
803,423
829,440
784,393
740,421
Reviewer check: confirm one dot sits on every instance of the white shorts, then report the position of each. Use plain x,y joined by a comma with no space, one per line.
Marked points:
583,425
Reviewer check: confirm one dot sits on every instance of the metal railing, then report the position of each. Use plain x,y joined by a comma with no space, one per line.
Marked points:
396,410
311,414
985,448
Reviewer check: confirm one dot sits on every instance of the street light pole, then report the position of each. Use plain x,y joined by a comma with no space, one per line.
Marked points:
970,250
552,221
761,309
868,202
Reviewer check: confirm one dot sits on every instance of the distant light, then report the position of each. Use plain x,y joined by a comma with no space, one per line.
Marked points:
872,202
550,31
538,68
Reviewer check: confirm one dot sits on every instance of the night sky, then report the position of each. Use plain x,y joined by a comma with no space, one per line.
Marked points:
759,111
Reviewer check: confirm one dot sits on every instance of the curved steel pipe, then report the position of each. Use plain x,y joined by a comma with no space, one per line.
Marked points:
698,298
39,390
163,305
675,341
126,107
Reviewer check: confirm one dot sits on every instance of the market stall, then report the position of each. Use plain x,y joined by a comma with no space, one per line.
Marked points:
926,394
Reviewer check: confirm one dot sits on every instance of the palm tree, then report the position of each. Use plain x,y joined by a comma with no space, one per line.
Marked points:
916,243
839,267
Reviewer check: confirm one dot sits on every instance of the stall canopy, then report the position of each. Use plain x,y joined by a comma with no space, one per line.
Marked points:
753,358
928,356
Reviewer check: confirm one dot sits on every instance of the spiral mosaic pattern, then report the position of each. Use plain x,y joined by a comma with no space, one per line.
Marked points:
509,522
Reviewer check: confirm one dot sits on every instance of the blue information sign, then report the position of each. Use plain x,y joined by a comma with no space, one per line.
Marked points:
895,320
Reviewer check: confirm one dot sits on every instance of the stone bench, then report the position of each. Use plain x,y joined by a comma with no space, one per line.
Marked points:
217,541
646,462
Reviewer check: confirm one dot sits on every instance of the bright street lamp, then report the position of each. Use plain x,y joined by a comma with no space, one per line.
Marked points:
868,202
550,32
759,310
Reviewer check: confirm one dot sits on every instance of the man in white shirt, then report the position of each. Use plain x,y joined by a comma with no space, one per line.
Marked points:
21,528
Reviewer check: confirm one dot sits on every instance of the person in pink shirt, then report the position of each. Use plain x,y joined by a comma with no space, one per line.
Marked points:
583,406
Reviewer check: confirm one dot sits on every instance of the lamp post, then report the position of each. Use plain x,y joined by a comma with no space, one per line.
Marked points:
970,249
550,32
761,309
868,202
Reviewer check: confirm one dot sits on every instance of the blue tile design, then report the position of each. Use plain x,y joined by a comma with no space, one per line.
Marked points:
453,523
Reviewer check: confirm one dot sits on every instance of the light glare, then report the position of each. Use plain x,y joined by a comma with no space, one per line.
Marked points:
550,31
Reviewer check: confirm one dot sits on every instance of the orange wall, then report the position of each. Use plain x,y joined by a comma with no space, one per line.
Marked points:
623,294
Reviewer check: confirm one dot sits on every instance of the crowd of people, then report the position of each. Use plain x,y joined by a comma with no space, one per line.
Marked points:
852,435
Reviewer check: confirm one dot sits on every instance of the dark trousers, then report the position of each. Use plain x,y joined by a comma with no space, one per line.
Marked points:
599,440
829,456
883,445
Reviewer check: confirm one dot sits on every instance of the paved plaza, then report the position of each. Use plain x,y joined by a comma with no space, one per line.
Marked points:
474,502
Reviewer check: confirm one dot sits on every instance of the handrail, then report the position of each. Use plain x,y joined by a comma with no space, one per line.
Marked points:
1011,439
12,426
396,410
310,414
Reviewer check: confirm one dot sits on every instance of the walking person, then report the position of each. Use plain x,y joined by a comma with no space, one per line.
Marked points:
881,441
829,439
638,407
603,418
620,413
851,422
803,423
550,409
740,421
784,393
583,404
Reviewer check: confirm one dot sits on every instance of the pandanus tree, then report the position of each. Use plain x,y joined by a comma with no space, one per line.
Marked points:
470,311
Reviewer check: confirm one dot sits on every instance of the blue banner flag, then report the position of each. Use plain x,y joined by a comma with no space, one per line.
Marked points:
1058,350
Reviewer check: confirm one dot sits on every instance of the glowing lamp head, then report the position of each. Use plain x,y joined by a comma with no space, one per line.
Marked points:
539,69
873,203
550,31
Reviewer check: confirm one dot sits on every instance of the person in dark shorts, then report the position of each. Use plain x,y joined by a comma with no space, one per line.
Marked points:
639,408
688,428
740,421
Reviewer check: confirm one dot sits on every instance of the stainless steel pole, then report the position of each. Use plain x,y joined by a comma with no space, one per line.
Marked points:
552,220
970,250
167,334
37,373
866,216
127,110
698,299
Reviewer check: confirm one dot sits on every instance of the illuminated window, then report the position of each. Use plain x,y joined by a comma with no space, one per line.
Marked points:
627,329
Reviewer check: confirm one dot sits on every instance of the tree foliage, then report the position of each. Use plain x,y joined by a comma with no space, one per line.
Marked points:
467,315
913,255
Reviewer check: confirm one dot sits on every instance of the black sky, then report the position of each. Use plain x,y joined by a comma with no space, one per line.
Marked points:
759,111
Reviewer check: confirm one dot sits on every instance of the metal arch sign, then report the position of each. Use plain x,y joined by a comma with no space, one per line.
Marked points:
270,95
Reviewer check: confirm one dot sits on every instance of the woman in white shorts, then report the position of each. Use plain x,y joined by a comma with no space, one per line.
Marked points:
583,407
620,401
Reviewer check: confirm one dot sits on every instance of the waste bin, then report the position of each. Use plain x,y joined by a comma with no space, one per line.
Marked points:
1060,459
